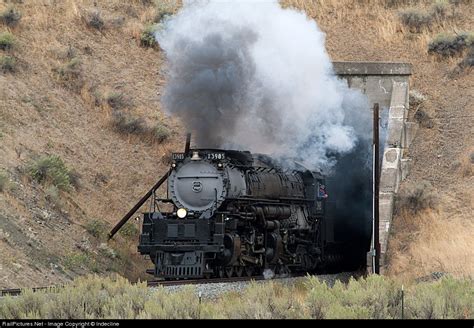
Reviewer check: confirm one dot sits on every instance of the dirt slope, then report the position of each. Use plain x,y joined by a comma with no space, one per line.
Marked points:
41,113
438,238
47,238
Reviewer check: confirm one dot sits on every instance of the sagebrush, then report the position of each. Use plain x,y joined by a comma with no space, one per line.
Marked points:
7,63
94,19
415,197
7,41
3,181
375,297
448,45
10,16
70,74
50,170
416,19
147,37
96,228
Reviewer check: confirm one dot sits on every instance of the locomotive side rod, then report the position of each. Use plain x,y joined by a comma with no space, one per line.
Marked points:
137,205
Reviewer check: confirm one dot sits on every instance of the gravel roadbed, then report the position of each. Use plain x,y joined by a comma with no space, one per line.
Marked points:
214,290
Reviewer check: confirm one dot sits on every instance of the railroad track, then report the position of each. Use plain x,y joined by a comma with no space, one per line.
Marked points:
152,283
155,283
18,291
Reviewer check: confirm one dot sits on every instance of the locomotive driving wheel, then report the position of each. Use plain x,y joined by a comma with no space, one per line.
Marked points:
220,272
239,270
283,270
248,271
229,271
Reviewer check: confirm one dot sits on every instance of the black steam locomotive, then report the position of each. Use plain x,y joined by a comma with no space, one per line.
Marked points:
233,213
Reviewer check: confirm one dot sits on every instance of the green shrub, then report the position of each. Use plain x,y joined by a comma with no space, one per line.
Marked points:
415,197
3,181
415,19
439,9
447,298
458,2
76,261
164,10
161,133
416,99
116,100
75,179
418,19
147,38
398,3
423,118
115,297
468,61
450,45
53,196
94,19
124,123
50,169
375,297
10,16
7,41
7,63
107,252
271,300
70,74
129,230
96,228
70,70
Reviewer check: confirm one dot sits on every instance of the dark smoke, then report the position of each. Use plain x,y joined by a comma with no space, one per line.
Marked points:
251,75
210,83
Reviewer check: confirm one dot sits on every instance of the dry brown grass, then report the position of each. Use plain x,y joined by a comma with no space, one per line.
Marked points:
467,163
431,241
379,17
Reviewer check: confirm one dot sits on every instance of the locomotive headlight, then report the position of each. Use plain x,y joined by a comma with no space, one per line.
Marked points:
181,213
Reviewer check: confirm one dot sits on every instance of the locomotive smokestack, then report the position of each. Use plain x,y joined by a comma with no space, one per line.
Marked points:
187,146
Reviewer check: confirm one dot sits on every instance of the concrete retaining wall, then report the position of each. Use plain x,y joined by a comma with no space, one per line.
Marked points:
388,85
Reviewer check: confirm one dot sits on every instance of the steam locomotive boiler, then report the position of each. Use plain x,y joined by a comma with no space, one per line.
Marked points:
233,213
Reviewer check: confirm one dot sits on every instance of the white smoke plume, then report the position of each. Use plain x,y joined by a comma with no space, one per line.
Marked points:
252,75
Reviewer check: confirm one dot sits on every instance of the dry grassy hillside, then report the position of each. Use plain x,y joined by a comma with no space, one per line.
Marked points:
81,82
434,226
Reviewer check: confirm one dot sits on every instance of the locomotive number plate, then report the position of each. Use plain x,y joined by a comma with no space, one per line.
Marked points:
177,156
215,156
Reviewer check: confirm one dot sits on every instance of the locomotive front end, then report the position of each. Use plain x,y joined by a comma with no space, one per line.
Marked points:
184,241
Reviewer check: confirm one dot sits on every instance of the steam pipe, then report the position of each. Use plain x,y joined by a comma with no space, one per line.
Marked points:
137,205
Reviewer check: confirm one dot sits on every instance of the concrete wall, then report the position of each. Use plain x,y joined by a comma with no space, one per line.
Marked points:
388,85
